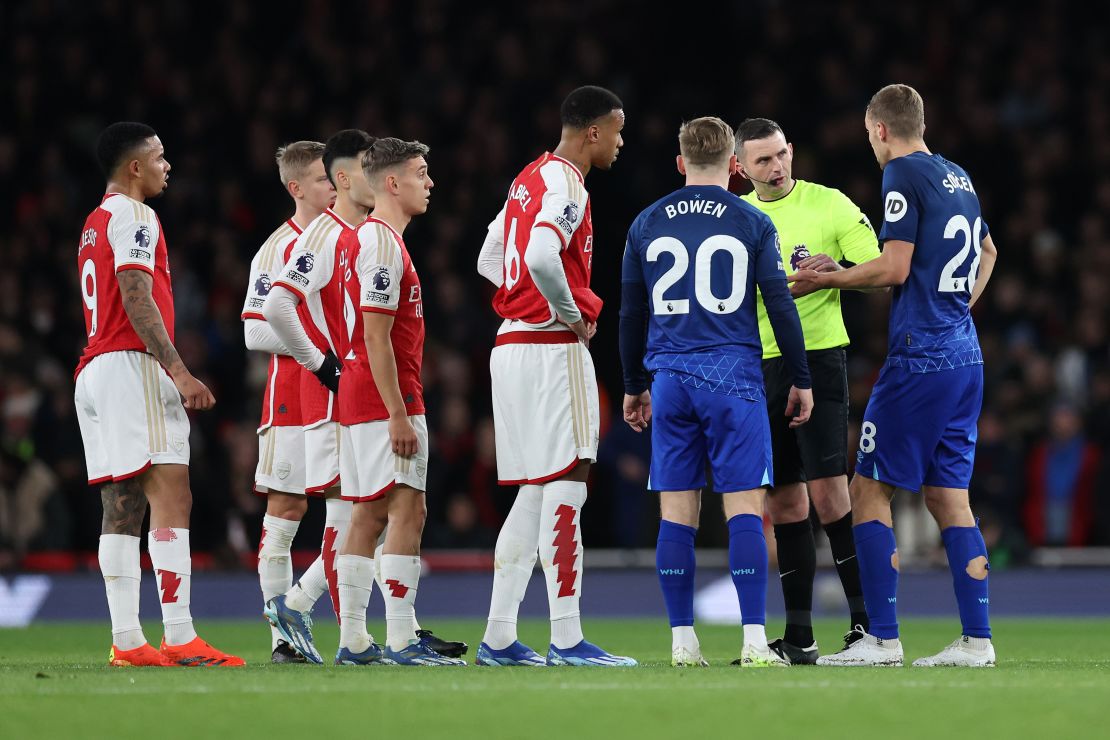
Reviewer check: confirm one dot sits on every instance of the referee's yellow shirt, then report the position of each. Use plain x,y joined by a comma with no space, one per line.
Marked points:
814,219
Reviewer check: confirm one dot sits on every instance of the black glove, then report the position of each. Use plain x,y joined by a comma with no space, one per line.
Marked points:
328,372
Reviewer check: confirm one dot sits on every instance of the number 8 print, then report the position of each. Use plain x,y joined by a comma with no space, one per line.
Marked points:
867,437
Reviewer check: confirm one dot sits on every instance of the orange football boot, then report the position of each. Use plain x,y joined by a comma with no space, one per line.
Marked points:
198,654
144,655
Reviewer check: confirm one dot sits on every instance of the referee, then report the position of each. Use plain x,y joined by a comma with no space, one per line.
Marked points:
819,228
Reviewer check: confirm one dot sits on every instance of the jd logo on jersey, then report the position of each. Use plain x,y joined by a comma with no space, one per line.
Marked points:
142,237
381,278
304,263
895,206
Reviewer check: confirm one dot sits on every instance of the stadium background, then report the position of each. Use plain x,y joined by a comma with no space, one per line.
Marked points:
1014,94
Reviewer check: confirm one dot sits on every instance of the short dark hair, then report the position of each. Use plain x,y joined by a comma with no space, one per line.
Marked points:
350,142
751,129
587,104
119,140
389,152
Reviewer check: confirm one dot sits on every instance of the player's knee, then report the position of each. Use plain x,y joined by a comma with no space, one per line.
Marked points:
286,506
788,504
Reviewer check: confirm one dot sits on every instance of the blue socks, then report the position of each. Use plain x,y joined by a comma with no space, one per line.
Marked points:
675,563
967,559
747,561
876,552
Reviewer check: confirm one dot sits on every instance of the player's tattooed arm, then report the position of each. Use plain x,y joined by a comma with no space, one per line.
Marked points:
136,289
124,508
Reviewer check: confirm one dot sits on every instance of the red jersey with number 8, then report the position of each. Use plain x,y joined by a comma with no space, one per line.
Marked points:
122,234
548,193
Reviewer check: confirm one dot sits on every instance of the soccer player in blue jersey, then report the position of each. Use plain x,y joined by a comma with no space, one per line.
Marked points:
691,267
919,429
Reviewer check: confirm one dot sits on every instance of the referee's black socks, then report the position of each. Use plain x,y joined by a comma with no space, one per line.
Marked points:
847,566
797,568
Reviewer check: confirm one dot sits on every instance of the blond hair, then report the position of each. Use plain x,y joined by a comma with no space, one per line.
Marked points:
706,141
901,108
293,159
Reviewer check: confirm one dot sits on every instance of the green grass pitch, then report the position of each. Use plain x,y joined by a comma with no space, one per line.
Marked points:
1053,680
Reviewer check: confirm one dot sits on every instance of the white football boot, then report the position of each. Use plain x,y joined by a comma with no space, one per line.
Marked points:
683,656
867,650
966,652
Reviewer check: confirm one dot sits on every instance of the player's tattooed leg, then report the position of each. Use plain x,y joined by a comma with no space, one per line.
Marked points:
124,508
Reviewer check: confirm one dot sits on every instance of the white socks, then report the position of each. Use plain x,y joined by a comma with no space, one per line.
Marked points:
756,636
355,579
275,569
514,559
378,552
684,637
337,520
309,588
400,578
560,549
119,563
169,554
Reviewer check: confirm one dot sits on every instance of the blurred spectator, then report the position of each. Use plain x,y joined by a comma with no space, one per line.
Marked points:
996,488
1061,475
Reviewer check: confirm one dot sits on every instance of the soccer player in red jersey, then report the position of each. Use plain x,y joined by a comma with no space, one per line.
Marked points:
280,475
381,405
539,253
130,383
310,312
305,309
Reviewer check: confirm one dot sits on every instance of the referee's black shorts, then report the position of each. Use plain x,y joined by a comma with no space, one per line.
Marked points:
818,448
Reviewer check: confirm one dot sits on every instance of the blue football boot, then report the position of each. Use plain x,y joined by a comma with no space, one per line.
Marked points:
294,626
587,654
516,654
419,653
373,655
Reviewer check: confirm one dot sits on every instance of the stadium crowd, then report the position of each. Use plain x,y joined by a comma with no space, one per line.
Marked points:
1015,94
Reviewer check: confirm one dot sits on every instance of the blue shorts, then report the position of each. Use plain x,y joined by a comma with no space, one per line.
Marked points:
690,427
920,428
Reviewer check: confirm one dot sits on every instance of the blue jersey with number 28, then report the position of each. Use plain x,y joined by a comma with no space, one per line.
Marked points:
931,203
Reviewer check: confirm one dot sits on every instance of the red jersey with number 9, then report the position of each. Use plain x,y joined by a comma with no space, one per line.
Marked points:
548,193
122,234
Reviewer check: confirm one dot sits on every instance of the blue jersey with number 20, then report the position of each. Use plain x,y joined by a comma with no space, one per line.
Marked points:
701,251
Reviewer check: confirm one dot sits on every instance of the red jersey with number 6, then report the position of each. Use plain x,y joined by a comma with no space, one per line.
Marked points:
122,234
548,193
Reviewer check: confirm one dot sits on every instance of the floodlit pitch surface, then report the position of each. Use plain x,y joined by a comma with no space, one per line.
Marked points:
1053,680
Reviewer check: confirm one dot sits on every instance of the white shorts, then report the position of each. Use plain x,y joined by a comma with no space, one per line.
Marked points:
281,464
546,414
131,416
321,457
371,468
